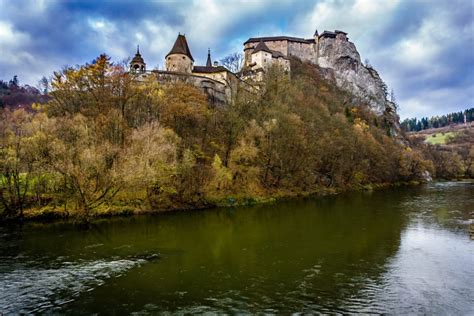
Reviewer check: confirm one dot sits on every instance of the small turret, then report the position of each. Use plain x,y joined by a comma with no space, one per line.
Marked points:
137,65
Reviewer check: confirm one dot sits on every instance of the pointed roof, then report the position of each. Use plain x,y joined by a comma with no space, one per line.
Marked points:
138,58
261,46
181,47
209,62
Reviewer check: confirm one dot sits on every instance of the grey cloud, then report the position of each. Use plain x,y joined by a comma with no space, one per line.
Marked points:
53,33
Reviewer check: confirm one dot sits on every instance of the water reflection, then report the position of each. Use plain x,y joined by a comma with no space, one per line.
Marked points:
394,251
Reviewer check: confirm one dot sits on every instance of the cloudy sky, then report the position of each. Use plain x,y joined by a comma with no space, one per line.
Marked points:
424,50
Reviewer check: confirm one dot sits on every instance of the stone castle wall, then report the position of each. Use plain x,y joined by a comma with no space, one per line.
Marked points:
279,46
304,51
301,50
217,92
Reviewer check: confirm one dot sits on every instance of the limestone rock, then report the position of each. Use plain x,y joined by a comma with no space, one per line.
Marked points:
342,56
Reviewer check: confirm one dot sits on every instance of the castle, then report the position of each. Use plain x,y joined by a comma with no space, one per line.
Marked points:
216,81
262,52
336,56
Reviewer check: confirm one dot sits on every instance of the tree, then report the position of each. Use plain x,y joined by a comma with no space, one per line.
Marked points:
393,99
149,161
14,163
234,62
14,83
20,156
43,84
86,163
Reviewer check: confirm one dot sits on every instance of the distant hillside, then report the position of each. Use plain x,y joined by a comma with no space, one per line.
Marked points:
461,117
450,148
13,95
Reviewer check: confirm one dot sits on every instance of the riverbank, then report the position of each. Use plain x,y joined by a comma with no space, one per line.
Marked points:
51,213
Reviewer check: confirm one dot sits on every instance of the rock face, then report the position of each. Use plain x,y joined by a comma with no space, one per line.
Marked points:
338,59
340,55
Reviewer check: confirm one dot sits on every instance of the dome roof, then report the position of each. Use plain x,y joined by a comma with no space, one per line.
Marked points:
137,59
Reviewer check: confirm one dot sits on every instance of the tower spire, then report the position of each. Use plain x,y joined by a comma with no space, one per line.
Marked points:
209,62
138,49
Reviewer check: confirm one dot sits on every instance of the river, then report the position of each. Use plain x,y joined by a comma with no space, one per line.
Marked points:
404,250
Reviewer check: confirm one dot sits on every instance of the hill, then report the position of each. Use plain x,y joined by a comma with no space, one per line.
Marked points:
107,144
14,95
451,148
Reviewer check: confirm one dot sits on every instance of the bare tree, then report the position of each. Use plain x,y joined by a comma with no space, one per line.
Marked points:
392,96
234,62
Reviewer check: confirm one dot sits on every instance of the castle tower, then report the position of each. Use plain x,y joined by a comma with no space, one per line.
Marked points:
179,59
261,56
137,65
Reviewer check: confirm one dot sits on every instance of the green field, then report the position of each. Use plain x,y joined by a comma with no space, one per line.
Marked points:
439,138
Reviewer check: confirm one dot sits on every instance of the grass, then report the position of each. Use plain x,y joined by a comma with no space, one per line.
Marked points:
439,138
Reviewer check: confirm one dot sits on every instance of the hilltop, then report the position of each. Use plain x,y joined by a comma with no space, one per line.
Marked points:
107,143
331,52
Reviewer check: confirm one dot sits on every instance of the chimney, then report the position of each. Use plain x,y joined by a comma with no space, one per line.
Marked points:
216,63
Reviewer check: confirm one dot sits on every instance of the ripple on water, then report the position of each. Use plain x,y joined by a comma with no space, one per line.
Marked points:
30,289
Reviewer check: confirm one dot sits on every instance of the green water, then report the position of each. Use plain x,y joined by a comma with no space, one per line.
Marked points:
394,251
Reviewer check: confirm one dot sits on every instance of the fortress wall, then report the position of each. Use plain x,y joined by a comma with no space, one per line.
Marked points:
280,46
217,76
304,51
217,92
248,49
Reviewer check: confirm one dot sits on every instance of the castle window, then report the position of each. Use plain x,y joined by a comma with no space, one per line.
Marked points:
183,57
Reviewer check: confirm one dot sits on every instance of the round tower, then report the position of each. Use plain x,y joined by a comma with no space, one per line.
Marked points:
137,65
179,59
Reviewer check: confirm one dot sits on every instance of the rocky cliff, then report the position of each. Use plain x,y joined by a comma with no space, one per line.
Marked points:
340,56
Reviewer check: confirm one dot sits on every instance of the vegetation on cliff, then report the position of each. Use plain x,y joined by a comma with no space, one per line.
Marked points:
105,143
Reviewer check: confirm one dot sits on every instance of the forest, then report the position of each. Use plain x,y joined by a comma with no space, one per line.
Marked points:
415,125
14,95
105,144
